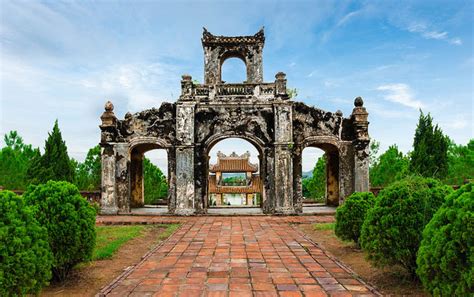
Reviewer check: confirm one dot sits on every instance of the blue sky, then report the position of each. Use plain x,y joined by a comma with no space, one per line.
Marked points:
65,59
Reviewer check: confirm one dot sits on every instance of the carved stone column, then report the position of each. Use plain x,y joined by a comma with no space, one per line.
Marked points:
108,202
361,146
171,180
280,86
297,179
346,174
185,158
122,176
283,166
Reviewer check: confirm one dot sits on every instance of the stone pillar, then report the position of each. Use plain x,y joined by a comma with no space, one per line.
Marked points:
297,179
361,146
108,127
332,178
186,87
137,198
122,176
283,165
280,85
185,158
171,180
346,172
108,202
254,64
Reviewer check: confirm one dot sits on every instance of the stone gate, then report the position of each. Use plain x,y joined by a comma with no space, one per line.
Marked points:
259,112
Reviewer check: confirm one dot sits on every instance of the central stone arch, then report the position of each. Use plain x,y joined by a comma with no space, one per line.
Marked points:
259,144
259,112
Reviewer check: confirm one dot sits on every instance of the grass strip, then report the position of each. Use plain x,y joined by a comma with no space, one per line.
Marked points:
324,226
111,238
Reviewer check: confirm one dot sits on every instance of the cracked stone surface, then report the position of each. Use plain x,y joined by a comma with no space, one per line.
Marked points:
238,256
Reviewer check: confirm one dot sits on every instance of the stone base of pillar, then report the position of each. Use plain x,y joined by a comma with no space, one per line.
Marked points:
184,211
285,210
109,210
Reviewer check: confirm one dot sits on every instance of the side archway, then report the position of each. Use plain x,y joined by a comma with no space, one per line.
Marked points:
331,147
137,149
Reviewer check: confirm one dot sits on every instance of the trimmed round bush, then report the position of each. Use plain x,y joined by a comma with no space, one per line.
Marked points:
392,230
25,257
446,255
70,221
350,215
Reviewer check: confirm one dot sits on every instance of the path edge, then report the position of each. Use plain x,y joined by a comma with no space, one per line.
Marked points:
127,271
354,274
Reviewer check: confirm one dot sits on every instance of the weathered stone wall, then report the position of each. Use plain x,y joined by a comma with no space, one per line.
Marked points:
258,112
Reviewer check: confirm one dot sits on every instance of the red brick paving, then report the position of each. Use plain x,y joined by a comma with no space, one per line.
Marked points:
235,256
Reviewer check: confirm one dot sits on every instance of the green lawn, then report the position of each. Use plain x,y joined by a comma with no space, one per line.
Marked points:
324,226
111,238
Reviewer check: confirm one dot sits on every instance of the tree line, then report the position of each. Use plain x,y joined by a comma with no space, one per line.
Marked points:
434,155
22,165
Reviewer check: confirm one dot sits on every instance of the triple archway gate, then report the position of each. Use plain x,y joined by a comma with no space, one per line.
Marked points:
261,113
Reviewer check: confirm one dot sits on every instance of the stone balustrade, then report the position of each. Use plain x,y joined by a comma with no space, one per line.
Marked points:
242,89
190,89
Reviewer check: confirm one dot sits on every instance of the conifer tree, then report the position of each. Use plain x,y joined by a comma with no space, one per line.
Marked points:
316,186
430,149
54,164
391,166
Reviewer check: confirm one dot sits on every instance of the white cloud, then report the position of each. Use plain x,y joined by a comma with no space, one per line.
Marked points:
400,93
312,73
456,41
458,123
345,19
143,84
426,32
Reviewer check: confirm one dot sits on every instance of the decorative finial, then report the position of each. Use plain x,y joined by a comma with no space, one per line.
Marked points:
260,33
205,33
280,75
109,106
358,102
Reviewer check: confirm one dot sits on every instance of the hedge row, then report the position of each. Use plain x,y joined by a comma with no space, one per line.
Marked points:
419,224
43,234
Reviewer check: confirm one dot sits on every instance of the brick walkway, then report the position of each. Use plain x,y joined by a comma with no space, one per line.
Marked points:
236,256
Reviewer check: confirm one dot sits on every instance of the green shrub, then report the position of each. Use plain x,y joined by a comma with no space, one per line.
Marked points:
70,221
392,230
350,215
446,255
25,257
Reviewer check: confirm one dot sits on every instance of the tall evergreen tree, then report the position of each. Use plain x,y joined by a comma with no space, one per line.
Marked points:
430,149
88,173
316,185
155,183
391,166
15,158
54,164
461,163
